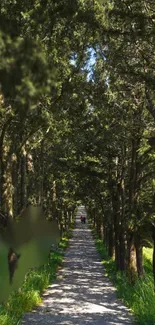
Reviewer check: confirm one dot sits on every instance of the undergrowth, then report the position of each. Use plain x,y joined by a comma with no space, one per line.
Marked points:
29,295
139,298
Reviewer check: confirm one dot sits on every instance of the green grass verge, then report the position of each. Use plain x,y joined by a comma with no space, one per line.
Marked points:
147,252
29,295
139,298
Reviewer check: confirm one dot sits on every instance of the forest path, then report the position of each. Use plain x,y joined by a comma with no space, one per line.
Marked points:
82,294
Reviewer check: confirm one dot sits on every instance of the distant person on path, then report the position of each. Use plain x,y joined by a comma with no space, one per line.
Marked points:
83,219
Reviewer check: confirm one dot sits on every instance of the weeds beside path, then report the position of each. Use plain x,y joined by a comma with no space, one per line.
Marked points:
140,297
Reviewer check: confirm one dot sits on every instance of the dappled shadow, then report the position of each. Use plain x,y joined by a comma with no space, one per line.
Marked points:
82,294
75,319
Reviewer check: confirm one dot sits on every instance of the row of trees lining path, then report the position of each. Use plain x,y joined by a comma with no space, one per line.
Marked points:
81,294
77,117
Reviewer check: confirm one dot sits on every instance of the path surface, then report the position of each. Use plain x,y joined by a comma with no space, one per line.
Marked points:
81,295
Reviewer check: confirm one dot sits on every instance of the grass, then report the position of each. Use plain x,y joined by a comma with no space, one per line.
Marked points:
147,252
139,298
29,295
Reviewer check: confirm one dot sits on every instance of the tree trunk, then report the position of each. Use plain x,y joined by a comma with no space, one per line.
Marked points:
111,241
54,198
41,174
7,195
105,238
116,214
2,163
139,256
65,219
60,221
23,185
98,225
94,217
122,250
117,249
132,262
15,185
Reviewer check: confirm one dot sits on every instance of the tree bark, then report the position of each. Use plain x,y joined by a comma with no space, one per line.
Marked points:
139,256
15,184
23,185
122,250
131,262
111,241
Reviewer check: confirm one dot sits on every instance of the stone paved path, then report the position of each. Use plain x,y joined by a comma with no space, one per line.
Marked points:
81,295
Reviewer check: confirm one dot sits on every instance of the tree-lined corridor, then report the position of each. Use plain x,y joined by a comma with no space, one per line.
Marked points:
77,126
